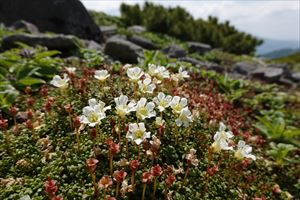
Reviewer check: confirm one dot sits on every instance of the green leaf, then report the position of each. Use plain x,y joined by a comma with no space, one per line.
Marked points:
28,81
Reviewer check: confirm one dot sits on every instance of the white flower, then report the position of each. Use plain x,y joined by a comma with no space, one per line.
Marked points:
184,118
192,157
162,101
159,72
181,75
146,86
137,133
59,82
159,121
177,104
244,151
26,197
94,113
144,109
221,139
71,70
135,73
101,75
123,107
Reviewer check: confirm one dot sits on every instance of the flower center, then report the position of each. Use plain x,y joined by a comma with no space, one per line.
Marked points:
139,133
163,103
93,117
143,111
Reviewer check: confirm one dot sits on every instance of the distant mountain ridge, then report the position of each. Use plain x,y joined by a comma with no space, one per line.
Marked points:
280,53
271,45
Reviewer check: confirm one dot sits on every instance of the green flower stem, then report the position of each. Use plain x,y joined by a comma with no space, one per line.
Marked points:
111,163
132,180
186,174
77,138
95,185
117,190
139,152
70,120
144,190
127,152
154,187
104,194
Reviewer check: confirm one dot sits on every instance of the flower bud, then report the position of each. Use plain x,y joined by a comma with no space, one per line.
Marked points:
134,164
3,124
76,122
44,91
170,180
91,164
29,114
50,187
156,170
27,90
68,108
147,177
93,133
13,111
119,176
29,124
30,101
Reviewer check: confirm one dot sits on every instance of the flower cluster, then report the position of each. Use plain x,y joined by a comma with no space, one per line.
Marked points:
221,142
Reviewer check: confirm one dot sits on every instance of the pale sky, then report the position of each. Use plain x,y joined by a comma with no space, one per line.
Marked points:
264,18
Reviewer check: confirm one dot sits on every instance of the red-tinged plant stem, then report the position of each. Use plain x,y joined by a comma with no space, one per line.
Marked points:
117,190
127,152
70,120
154,187
132,179
186,174
136,89
111,163
144,190
166,192
104,195
95,185
139,149
77,138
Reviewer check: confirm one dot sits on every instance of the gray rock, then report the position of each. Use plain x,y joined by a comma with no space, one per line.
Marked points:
174,51
109,31
25,26
63,43
295,76
244,68
123,50
193,61
92,45
215,67
58,16
136,29
198,47
146,44
268,74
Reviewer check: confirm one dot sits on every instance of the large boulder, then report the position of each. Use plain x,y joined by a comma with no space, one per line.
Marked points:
25,26
295,76
146,44
174,51
198,47
268,74
123,50
244,68
109,31
59,16
136,29
63,43
192,61
92,45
